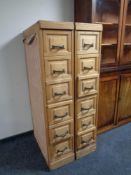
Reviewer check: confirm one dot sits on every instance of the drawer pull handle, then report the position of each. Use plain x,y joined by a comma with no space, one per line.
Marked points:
88,88
86,109
59,94
90,140
61,117
60,152
30,40
86,125
58,71
88,68
62,135
57,47
88,46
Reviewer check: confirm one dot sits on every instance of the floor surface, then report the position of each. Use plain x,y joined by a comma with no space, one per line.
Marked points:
21,156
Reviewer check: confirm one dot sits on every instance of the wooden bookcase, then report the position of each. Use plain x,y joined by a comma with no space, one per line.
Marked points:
115,88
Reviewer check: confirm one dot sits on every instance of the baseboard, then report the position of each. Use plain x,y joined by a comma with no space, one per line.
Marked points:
16,136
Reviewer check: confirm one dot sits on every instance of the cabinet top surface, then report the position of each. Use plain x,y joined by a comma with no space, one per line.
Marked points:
55,25
42,24
88,26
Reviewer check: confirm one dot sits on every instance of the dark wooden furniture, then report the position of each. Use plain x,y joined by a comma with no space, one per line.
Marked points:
115,78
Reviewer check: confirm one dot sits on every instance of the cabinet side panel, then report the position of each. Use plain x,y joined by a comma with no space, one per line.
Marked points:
36,93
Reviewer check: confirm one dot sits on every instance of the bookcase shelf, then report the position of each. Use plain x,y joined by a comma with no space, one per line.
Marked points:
107,23
127,44
128,25
109,44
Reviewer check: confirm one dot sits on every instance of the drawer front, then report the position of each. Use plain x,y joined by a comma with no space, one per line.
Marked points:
87,86
61,150
57,42
59,92
61,133
58,68
88,42
60,113
86,106
85,124
87,65
86,140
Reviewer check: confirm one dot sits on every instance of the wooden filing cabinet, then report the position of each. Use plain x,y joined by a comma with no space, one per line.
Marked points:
63,71
87,65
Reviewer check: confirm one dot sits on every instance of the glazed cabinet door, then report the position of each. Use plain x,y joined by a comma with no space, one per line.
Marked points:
125,55
108,93
110,14
124,105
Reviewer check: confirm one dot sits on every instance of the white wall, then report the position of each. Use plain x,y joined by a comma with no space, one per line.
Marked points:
15,17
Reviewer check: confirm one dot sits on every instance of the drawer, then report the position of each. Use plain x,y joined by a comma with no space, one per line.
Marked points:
61,150
59,92
61,133
86,140
60,113
87,42
87,86
87,65
57,42
86,107
85,124
58,68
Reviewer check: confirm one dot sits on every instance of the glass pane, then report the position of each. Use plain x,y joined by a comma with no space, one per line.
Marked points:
109,54
127,38
127,54
107,11
110,34
128,17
